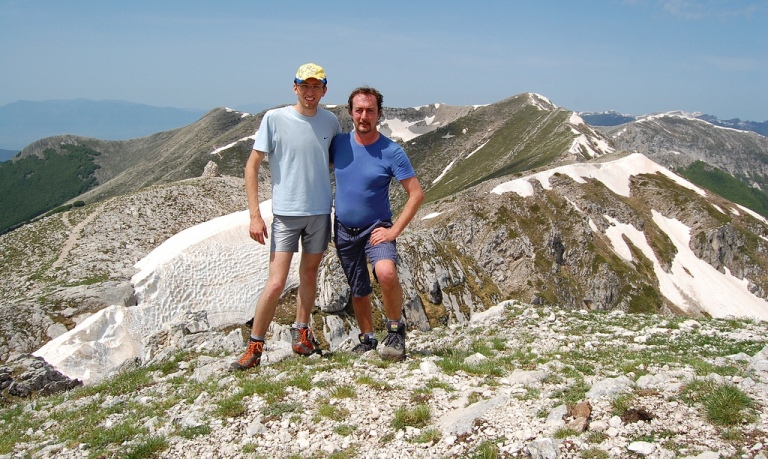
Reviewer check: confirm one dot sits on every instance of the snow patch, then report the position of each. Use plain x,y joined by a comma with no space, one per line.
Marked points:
477,149
213,267
575,119
445,171
613,174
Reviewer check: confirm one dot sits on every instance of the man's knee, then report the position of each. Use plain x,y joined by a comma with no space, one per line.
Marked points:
386,272
274,286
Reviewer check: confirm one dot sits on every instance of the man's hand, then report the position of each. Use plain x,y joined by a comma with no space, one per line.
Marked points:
258,230
382,234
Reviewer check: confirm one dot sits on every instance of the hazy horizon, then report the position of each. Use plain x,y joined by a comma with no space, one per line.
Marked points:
631,56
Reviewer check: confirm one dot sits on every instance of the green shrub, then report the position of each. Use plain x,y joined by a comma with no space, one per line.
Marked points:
417,417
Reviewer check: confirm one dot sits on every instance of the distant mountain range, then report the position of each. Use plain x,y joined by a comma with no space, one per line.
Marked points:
23,122
611,118
5,155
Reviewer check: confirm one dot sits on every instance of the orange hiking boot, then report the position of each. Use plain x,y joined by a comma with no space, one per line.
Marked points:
251,358
304,342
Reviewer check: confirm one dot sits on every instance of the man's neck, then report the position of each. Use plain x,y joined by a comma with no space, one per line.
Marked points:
305,111
368,138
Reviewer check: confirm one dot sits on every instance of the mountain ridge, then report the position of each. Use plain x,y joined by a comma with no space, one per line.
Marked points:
612,118
554,228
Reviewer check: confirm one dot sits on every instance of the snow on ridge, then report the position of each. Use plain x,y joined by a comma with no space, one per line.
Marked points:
685,116
242,114
541,102
477,149
419,107
576,119
449,166
400,128
217,150
582,143
752,213
607,112
445,171
431,215
669,114
622,131
613,174
692,284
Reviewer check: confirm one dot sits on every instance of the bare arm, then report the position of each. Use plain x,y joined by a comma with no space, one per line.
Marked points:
415,198
257,228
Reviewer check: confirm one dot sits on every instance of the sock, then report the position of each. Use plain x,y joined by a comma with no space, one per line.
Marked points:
257,338
396,325
300,325
369,335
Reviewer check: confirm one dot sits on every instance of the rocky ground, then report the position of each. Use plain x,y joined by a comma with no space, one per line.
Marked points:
516,381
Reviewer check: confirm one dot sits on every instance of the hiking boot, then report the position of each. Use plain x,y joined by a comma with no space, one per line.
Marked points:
394,343
251,358
366,344
304,342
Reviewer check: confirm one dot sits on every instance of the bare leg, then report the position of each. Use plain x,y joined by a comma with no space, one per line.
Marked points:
363,314
305,301
391,290
279,264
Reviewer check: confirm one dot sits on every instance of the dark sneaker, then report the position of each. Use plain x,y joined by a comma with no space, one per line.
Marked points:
366,344
251,358
394,343
304,342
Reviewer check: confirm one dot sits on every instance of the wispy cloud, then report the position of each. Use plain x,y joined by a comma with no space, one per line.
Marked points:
702,9
732,64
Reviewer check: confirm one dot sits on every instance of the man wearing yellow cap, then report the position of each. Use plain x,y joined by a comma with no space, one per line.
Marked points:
297,139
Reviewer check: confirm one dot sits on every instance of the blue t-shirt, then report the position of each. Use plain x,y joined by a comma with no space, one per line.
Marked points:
297,152
363,174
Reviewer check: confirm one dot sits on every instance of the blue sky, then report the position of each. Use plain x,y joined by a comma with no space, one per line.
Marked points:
633,56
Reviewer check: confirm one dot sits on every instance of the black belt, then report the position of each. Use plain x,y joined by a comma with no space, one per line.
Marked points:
358,231
353,231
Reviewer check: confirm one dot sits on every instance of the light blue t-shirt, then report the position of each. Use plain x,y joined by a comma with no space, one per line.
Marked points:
363,174
297,152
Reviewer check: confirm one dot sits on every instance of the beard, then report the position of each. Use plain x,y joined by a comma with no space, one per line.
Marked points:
364,128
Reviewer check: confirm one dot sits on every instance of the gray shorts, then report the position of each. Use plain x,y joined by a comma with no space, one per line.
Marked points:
313,230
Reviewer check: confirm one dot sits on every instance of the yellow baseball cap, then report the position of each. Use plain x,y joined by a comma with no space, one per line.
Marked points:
308,71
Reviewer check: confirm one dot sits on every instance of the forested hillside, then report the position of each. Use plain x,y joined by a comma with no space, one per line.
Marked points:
34,185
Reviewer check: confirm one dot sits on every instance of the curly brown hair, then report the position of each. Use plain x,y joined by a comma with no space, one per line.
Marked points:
369,92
